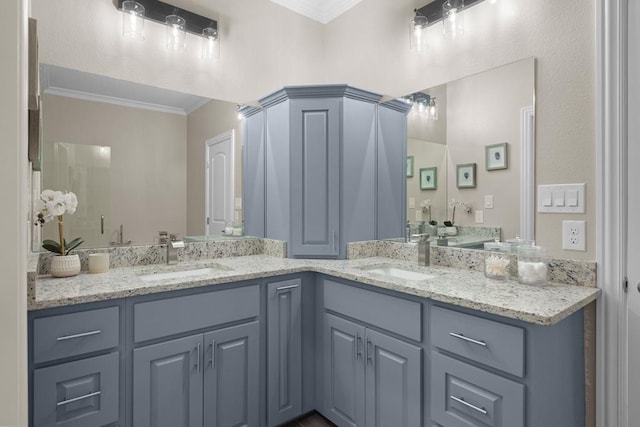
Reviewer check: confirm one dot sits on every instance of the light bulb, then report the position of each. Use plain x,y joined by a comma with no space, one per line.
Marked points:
418,34
452,18
176,33
210,44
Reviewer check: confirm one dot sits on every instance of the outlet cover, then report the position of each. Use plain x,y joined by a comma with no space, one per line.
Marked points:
573,236
238,203
479,217
412,202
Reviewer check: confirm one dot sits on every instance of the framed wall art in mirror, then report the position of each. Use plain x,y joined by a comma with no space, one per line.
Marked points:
429,178
466,175
496,156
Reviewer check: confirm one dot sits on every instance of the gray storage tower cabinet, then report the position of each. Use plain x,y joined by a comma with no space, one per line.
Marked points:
323,166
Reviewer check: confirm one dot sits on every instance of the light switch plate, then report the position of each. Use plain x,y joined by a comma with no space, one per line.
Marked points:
479,217
488,202
412,202
561,198
418,215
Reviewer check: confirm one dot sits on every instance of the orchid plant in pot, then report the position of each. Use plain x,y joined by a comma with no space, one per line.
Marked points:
53,205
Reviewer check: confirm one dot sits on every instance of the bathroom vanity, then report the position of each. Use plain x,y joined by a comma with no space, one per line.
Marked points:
259,341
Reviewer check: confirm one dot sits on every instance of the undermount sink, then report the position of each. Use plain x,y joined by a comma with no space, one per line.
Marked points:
398,273
179,272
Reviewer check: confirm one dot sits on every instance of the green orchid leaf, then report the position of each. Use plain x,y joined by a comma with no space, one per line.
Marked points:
73,244
52,248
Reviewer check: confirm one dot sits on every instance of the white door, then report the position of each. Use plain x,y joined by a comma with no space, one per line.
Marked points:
633,215
219,188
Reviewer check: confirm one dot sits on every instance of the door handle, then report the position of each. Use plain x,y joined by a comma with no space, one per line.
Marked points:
101,224
369,356
638,286
358,346
213,354
198,357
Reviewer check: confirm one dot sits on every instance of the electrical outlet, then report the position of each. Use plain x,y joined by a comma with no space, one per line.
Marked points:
479,217
573,235
488,202
412,202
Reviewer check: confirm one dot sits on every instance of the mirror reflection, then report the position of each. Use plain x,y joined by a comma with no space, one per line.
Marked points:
138,158
470,157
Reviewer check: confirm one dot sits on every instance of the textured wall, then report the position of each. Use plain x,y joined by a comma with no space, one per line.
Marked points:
263,46
561,35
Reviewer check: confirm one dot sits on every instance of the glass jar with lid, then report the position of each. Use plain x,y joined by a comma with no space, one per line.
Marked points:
496,260
532,265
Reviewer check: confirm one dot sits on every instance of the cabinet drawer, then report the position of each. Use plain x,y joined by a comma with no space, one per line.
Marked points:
485,341
65,335
171,316
77,394
394,314
465,396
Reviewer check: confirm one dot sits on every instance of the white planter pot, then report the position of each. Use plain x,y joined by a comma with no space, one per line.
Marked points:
65,266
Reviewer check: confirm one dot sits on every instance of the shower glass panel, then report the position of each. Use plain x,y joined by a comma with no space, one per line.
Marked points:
84,170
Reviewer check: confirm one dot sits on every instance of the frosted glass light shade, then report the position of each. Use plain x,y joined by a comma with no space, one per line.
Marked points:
176,33
433,109
132,19
452,18
210,44
418,33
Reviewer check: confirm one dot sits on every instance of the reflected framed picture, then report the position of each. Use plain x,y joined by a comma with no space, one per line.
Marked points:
496,156
429,178
409,166
466,175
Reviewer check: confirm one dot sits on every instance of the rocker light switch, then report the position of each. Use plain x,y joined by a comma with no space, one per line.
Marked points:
561,198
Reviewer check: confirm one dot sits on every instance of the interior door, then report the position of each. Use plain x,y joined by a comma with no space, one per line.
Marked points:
633,234
220,183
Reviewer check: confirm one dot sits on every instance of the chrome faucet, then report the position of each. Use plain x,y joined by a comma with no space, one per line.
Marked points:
172,249
424,249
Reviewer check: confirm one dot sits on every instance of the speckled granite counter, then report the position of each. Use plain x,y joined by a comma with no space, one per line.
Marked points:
539,305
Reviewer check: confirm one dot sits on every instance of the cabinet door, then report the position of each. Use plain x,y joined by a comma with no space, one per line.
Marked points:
392,180
343,371
231,378
167,384
83,393
254,175
393,381
315,177
284,351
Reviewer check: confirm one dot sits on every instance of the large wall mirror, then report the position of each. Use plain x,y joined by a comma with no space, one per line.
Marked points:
485,120
136,157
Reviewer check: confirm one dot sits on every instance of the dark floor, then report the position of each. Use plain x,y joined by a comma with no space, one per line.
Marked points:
311,420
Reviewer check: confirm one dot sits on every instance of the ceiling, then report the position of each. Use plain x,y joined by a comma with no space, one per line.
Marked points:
77,84
322,11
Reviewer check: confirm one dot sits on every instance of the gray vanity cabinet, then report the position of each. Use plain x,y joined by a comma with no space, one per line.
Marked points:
231,376
315,176
167,384
76,375
284,351
371,378
328,169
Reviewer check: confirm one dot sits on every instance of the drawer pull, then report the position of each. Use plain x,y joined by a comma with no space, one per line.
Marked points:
84,334
471,340
468,405
75,399
284,288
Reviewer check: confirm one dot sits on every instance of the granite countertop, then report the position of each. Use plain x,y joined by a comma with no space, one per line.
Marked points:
539,305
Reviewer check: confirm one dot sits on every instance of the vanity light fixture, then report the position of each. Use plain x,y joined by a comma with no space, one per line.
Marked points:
178,22
424,105
133,19
175,32
449,12
210,44
418,32
239,111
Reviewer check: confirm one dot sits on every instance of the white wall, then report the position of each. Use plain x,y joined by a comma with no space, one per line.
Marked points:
13,217
560,34
263,46
148,161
